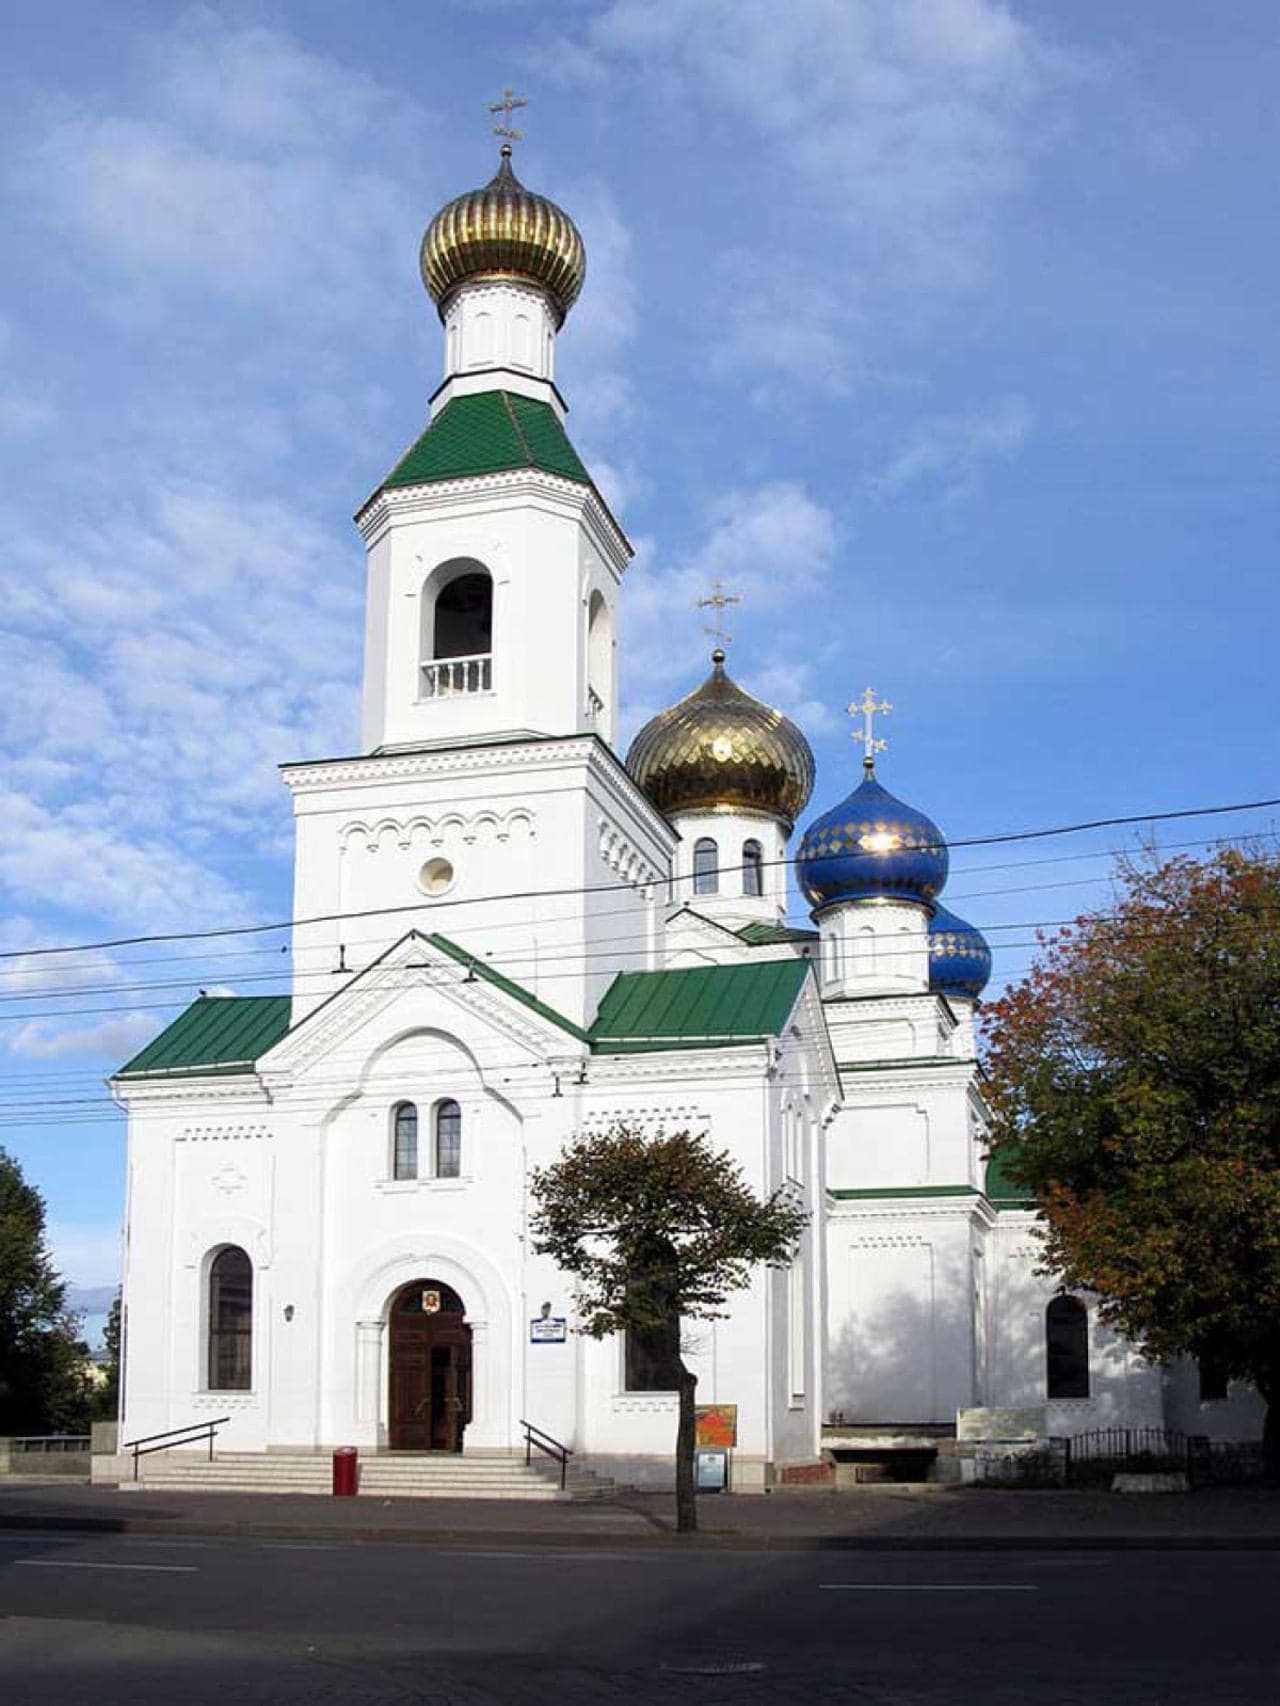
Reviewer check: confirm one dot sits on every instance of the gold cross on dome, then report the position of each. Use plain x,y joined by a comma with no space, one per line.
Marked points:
719,601
869,708
506,106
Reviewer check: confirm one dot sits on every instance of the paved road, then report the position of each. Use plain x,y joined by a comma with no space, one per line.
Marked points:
101,1620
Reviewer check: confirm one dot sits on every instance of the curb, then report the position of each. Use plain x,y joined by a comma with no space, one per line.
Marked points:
531,1540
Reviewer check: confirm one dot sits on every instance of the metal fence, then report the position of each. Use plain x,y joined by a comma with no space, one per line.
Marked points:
1093,1458
31,1445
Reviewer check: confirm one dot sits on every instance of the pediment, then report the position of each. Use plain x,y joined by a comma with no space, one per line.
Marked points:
416,985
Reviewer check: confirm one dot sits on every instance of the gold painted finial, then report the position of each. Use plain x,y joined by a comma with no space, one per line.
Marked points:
869,708
506,106
719,601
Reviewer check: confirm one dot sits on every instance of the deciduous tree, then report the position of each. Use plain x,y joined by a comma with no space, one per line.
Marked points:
657,1231
44,1384
1135,1075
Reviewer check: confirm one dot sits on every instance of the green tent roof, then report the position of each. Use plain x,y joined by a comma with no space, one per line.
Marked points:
490,432
701,1006
218,1035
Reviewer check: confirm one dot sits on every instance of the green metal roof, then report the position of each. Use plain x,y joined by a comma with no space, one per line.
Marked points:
507,985
764,935
700,1006
1001,1190
881,1192
490,432
217,1035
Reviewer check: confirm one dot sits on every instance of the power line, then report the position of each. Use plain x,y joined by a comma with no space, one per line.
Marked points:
262,928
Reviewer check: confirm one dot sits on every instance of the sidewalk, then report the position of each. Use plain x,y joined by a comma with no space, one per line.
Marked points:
877,1520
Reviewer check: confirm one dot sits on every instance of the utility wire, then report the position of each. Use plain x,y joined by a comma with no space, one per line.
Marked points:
602,888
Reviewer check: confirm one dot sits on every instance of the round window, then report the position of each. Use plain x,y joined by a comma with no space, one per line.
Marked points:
435,876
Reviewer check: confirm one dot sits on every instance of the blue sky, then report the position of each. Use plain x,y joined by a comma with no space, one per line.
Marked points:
942,330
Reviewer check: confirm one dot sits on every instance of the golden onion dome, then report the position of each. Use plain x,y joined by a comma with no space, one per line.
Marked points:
504,231
721,750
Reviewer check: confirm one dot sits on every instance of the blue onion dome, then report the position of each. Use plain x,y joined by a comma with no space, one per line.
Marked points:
959,958
871,847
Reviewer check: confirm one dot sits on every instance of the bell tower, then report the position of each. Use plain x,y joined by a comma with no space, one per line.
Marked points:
487,809
494,565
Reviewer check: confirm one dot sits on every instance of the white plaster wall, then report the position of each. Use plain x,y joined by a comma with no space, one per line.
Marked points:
202,1175
903,1130
874,947
499,324
1241,1415
729,830
559,866
901,1329
1125,1390
548,544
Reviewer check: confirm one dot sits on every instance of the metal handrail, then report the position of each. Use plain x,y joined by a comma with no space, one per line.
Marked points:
534,1438
192,1434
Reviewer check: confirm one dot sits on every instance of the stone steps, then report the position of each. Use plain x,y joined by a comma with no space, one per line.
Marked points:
382,1476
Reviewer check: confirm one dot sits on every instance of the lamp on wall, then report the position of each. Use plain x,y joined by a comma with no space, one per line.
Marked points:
288,1312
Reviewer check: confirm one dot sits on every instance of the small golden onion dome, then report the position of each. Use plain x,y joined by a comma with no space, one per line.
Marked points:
721,750
504,231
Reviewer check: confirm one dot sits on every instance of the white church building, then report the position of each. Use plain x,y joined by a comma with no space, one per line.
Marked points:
507,934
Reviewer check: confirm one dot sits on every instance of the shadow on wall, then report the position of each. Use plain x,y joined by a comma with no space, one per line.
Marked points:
895,1356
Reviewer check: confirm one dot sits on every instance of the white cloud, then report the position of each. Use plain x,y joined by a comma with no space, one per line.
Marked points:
785,335
765,543
950,453
238,177
788,686
21,416
258,87
86,1253
115,1039
899,117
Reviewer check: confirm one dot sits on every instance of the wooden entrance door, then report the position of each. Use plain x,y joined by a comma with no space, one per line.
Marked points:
430,1369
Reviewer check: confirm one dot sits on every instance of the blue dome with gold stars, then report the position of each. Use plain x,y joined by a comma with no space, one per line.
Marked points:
959,958
872,847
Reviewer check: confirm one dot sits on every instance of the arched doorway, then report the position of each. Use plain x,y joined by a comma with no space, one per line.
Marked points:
430,1368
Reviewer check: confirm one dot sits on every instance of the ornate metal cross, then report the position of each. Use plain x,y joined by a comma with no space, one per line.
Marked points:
719,601
506,106
869,708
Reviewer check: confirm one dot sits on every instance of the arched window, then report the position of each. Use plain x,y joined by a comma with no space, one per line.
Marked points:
706,866
752,868
599,663
457,630
521,341
833,956
1066,1344
404,1159
230,1321
448,1156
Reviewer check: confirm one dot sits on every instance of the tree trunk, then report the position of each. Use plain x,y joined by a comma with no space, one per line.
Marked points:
686,1439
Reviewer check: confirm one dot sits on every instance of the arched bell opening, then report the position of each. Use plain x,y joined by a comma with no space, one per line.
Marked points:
457,630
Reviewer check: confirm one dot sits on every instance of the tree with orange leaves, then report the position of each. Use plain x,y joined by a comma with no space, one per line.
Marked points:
1135,1078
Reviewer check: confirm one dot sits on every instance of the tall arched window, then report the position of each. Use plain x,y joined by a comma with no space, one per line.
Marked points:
600,663
752,868
706,866
230,1322
1066,1344
448,1156
457,629
404,1158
